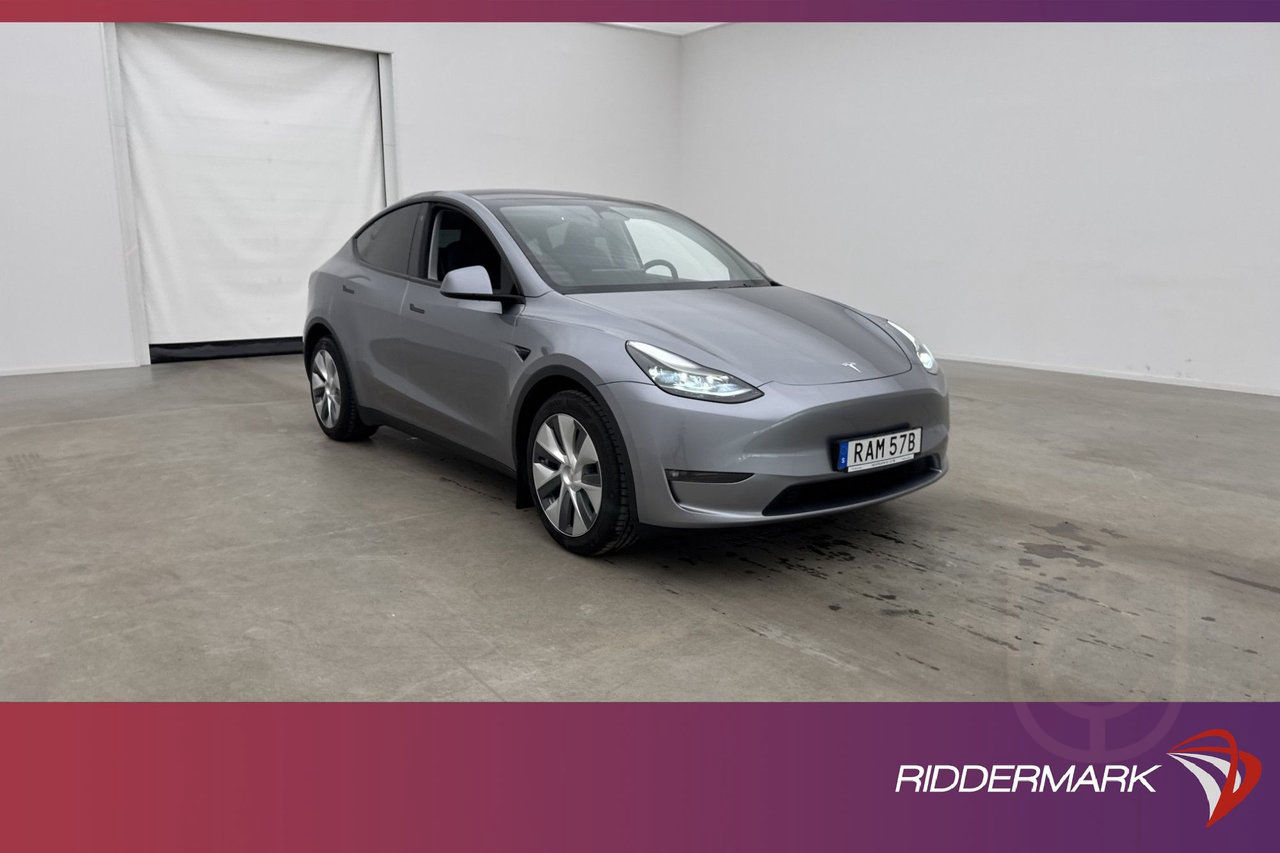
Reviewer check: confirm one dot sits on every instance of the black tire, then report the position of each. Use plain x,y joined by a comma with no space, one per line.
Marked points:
615,525
346,426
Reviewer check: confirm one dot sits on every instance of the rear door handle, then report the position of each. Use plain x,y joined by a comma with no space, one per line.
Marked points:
346,289
415,309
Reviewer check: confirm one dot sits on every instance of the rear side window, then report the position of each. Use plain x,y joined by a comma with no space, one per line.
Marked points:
386,242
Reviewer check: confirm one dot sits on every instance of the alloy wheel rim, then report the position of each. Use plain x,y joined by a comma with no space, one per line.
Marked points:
326,389
566,474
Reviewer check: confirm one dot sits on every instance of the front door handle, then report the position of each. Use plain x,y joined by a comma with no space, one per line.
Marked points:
346,289
415,309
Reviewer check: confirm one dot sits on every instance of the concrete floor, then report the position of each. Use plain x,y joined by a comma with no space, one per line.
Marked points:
185,532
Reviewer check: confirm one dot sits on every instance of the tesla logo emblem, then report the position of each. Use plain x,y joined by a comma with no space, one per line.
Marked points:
852,365
1239,770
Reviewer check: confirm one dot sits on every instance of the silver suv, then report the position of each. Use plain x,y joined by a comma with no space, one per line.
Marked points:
624,364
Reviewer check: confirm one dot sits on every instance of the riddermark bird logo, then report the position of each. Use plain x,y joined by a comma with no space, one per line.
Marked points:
1209,756
1215,751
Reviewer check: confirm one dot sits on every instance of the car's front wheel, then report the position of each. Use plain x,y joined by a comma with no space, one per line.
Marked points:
578,475
332,397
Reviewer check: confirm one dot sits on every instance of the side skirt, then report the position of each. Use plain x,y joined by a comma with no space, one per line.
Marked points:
373,416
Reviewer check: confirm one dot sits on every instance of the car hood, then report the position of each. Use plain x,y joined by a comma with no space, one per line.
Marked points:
761,334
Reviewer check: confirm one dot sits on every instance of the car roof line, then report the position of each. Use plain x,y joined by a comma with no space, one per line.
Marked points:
482,195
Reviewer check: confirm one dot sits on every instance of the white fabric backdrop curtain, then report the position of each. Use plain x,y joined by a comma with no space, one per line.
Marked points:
253,159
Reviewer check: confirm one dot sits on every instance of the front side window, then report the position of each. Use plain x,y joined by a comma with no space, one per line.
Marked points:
589,245
457,241
385,243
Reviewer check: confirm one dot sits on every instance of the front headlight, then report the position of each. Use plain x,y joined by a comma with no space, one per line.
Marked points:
677,375
927,361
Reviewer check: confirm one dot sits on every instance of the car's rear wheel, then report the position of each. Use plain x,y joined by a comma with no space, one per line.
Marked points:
578,475
333,398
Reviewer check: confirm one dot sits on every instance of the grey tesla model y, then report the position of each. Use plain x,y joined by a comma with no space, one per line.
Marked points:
627,366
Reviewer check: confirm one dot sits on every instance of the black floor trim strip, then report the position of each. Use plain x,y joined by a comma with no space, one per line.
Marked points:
161,353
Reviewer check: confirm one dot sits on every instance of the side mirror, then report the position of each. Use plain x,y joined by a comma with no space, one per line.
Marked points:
474,283
467,283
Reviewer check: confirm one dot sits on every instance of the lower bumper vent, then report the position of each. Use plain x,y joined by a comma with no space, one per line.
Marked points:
853,488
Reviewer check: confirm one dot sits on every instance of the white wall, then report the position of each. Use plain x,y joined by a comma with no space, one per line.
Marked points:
63,302
1092,197
576,106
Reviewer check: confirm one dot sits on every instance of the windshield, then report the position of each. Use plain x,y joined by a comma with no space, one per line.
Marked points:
583,245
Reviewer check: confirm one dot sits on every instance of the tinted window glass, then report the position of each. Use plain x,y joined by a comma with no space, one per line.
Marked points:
460,242
385,243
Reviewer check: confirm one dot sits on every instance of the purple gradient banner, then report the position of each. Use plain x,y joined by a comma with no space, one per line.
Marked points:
640,10
638,777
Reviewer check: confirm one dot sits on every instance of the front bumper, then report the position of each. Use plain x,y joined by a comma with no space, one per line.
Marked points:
785,440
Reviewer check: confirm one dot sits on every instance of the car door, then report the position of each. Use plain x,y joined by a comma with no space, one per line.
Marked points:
368,306
461,356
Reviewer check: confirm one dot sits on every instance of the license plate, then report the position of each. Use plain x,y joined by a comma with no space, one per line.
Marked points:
876,451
